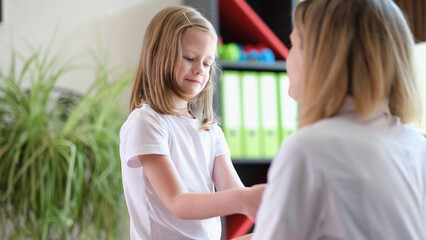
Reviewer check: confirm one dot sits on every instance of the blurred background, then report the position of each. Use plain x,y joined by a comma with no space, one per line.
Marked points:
66,69
77,26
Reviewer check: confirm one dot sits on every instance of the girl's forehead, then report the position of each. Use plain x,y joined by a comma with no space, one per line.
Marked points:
195,38
192,31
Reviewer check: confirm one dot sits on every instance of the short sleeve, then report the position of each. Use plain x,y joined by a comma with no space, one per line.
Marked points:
291,203
221,146
143,133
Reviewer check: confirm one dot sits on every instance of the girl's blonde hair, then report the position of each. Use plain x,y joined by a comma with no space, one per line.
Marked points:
160,60
360,48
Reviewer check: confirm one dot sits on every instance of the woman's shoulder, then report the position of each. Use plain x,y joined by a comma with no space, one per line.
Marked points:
321,135
346,132
412,131
412,137
322,128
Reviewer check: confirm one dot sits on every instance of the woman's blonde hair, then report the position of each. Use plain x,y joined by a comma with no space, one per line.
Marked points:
360,48
160,60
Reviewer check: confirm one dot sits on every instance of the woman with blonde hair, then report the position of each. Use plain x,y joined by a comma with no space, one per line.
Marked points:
354,170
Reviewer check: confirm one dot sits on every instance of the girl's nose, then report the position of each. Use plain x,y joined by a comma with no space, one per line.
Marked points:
198,68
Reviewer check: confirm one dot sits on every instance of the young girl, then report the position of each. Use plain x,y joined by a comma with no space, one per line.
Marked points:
174,155
354,170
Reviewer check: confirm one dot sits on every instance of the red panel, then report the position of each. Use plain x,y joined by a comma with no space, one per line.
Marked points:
237,225
242,24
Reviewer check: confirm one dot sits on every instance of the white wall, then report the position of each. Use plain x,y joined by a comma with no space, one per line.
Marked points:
79,24
420,68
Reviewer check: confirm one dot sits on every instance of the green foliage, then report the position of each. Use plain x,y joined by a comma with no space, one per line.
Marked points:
60,172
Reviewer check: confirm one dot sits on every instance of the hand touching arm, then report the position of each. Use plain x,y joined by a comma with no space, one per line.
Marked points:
168,185
225,177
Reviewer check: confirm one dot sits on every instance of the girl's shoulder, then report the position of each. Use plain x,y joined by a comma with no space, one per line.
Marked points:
215,130
144,115
146,112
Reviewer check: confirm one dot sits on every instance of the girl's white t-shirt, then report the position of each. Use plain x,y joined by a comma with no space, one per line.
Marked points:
192,151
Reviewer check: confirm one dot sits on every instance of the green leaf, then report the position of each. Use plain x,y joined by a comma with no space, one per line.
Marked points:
60,172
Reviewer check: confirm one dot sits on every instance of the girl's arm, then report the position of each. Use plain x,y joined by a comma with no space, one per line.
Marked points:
225,177
166,182
224,174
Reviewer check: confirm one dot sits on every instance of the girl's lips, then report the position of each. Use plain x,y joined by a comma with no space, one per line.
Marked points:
193,81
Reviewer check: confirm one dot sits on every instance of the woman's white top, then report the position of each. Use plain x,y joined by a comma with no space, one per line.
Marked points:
347,178
192,151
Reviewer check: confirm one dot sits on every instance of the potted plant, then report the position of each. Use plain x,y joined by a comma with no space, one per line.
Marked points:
60,174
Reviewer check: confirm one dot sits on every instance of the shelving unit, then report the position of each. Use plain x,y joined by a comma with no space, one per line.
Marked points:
277,66
243,25
251,171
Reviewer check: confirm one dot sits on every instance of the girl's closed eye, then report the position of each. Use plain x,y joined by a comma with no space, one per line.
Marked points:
205,64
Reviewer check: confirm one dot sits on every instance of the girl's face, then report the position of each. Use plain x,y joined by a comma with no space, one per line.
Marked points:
295,65
198,52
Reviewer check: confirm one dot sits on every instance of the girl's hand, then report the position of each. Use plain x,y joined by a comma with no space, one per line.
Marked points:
252,196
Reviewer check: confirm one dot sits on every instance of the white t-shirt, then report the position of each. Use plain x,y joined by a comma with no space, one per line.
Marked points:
192,151
346,178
